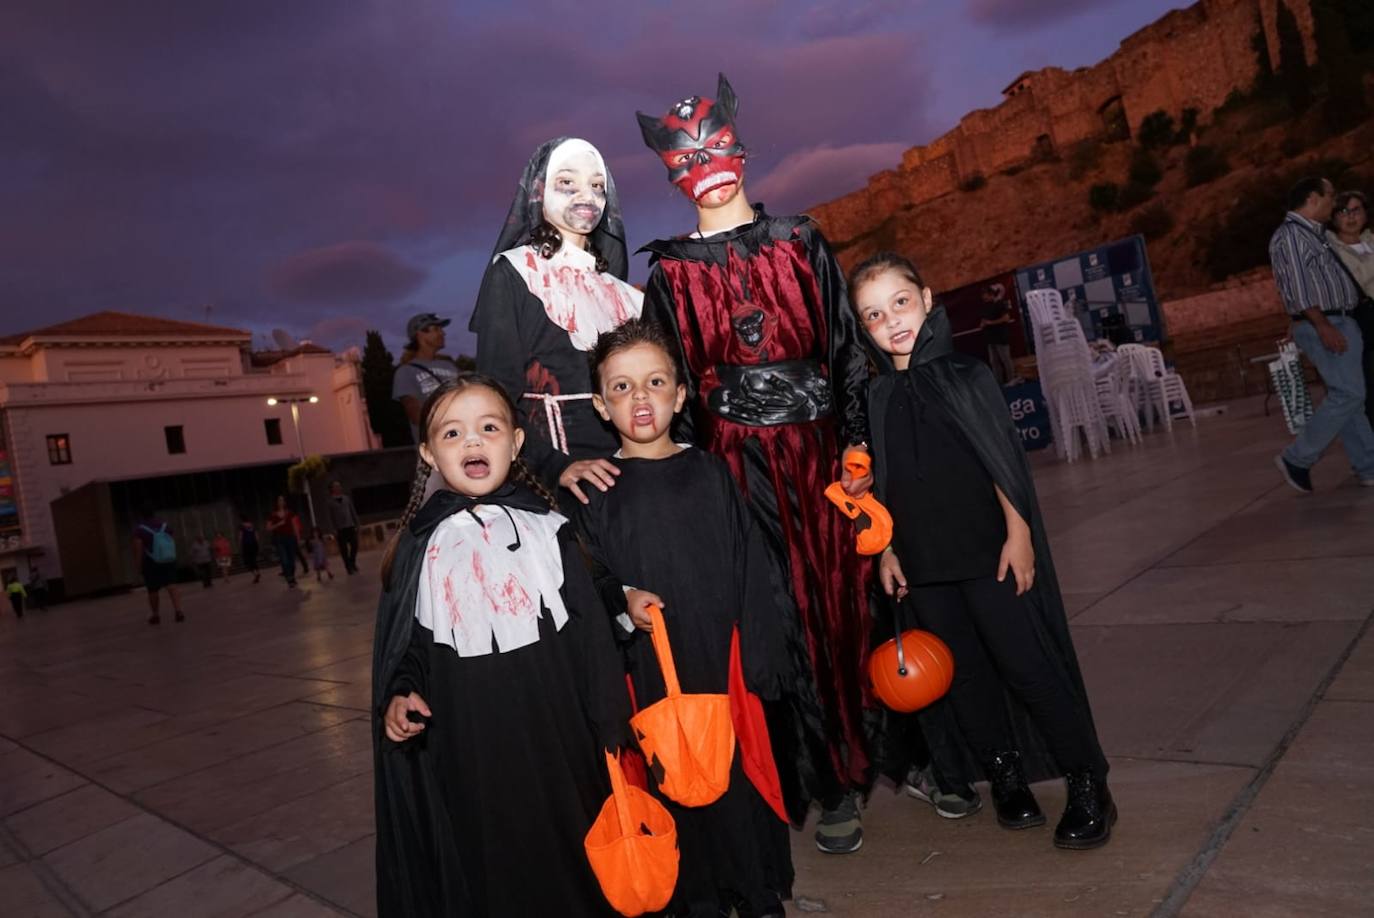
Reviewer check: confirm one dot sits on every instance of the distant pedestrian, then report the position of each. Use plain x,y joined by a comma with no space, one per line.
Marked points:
285,527
1320,297
422,367
344,520
15,590
155,554
319,555
38,588
248,547
224,554
996,325
202,561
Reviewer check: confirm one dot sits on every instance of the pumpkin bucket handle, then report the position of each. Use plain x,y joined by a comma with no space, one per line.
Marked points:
621,795
664,651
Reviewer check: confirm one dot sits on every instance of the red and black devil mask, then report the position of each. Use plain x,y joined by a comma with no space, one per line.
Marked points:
697,141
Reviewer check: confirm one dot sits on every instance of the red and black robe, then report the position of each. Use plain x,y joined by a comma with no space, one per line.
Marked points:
776,378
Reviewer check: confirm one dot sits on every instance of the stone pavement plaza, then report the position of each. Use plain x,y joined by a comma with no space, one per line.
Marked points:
222,767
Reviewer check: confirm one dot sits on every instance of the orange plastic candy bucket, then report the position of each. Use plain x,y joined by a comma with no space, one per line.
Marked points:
632,848
688,740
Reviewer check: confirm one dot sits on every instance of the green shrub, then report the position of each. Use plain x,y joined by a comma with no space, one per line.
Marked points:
1204,164
1187,125
1156,131
1105,197
1153,222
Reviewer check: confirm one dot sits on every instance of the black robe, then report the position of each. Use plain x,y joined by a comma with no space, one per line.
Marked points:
771,292
484,813
521,349
679,527
965,388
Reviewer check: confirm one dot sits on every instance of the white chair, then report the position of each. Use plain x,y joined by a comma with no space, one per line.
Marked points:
1046,306
1066,378
1157,388
1115,400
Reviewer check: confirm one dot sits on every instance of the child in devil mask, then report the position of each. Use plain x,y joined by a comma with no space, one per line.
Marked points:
775,377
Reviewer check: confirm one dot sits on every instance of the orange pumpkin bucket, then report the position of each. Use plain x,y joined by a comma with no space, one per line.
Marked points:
911,671
632,848
874,522
688,740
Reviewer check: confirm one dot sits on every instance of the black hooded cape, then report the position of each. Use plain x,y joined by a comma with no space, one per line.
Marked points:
522,349
514,747
968,392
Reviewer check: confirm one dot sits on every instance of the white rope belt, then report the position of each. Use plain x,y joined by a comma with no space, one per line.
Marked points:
553,411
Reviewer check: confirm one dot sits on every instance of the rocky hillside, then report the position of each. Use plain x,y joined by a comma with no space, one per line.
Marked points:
1206,200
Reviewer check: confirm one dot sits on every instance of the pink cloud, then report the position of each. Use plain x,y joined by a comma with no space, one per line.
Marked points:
823,173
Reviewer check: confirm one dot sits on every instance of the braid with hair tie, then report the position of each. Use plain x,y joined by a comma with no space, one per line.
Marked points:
417,497
523,474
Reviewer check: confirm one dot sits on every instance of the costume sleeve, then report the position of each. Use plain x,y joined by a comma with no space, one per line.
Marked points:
503,353
589,520
848,361
762,619
412,670
659,307
605,697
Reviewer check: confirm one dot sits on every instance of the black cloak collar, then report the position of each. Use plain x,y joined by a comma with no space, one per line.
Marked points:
444,503
527,211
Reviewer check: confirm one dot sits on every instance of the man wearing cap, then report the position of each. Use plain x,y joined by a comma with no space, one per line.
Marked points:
425,370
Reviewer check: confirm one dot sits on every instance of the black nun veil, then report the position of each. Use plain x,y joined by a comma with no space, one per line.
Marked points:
527,212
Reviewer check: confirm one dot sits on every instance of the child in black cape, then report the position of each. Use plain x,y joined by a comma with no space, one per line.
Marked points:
496,683
970,548
677,529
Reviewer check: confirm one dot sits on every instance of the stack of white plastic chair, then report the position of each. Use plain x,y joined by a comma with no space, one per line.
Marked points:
1115,399
1157,388
1046,307
1066,378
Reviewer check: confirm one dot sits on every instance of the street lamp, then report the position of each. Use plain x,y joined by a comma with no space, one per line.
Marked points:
295,404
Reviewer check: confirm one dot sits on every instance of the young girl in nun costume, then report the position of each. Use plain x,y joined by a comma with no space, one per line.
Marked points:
555,283
496,683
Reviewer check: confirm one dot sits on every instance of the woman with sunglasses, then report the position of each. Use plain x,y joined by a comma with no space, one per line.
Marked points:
1353,241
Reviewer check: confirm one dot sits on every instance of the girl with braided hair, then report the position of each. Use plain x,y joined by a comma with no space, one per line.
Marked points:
496,682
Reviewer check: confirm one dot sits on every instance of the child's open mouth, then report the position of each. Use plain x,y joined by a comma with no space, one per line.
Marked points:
643,416
476,467
902,337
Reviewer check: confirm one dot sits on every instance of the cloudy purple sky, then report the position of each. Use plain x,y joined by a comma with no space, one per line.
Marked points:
328,166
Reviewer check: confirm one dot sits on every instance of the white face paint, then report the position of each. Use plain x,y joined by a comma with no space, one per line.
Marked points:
575,189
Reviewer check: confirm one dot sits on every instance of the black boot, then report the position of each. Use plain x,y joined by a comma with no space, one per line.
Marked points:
1090,813
1011,796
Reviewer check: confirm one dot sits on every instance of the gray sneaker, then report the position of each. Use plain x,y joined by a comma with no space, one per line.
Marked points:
841,831
921,784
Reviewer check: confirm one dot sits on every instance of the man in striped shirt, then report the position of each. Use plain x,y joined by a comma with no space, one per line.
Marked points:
1319,296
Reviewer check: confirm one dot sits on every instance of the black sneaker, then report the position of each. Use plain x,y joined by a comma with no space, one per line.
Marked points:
1012,799
841,831
1298,479
1089,815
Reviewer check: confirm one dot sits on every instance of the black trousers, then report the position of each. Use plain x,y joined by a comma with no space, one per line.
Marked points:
348,547
989,630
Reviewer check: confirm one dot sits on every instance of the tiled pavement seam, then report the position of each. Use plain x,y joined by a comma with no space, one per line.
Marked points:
70,900
1192,875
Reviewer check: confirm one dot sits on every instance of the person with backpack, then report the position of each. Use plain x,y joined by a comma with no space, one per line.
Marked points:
422,367
155,553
